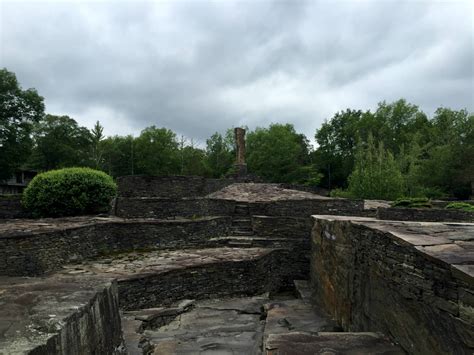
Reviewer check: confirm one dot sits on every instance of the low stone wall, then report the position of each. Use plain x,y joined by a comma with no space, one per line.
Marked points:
425,214
313,189
27,253
138,207
10,207
59,316
269,272
398,278
305,208
144,207
282,227
169,186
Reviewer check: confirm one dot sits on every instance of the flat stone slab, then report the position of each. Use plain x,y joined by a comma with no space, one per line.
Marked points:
445,242
302,343
24,227
136,264
254,192
227,326
36,313
295,315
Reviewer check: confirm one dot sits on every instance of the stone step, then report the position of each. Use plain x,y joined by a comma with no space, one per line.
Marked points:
242,228
219,326
243,232
242,222
241,210
330,343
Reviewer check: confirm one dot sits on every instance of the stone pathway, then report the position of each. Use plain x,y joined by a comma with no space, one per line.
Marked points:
245,326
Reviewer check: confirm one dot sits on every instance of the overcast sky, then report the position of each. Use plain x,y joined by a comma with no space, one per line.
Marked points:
198,67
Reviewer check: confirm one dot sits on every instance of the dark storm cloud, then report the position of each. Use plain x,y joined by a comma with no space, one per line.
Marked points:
201,66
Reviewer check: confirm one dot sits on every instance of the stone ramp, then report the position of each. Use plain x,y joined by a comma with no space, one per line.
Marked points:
59,315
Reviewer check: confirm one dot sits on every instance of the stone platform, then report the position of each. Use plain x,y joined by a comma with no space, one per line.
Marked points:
59,315
150,279
278,324
394,276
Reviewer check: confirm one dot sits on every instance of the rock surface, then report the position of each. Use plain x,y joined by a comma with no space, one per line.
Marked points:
393,276
59,315
253,192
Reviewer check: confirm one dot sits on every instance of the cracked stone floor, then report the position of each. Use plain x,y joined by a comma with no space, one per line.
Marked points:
244,326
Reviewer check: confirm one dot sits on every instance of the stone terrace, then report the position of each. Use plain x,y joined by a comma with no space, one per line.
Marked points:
393,276
195,265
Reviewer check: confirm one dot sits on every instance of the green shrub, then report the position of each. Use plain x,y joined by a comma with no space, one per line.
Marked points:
340,193
69,192
412,202
463,206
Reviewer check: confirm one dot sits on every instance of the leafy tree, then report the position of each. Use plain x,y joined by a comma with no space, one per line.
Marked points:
19,110
396,125
117,155
376,174
219,155
337,140
60,142
156,152
277,153
194,162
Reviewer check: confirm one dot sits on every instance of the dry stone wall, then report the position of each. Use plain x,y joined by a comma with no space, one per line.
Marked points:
398,278
427,215
10,207
156,207
59,316
27,253
169,186
265,273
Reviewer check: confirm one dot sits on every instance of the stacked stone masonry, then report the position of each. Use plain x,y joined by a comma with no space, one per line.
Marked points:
175,239
427,215
410,280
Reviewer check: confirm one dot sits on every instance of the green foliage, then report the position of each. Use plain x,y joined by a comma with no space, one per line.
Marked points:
69,192
277,153
412,202
463,206
340,193
60,142
376,174
435,156
97,136
117,153
156,152
219,154
19,110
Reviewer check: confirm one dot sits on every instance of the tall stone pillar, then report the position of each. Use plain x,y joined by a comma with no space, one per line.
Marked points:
240,166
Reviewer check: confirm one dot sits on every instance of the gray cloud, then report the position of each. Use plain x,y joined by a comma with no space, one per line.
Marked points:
203,66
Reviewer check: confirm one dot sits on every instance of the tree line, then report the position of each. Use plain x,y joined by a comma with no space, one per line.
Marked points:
397,150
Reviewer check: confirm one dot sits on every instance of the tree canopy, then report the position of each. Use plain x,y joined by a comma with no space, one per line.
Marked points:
19,110
394,150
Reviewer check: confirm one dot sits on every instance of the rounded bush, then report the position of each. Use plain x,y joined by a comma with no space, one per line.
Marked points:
69,192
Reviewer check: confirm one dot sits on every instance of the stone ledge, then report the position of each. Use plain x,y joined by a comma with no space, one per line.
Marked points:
59,315
394,276
154,279
446,243
35,247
